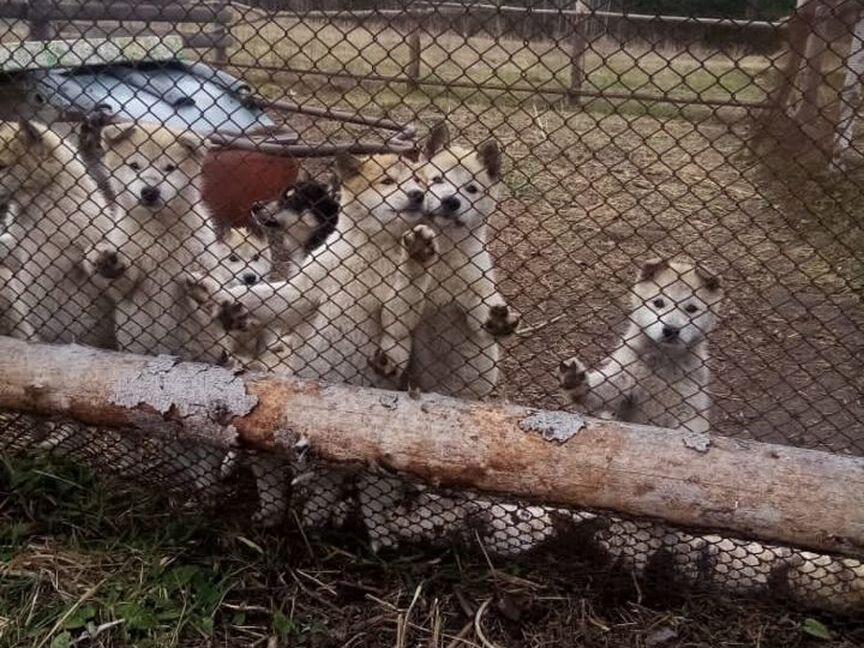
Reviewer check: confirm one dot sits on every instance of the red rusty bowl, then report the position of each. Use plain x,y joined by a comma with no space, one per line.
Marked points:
235,179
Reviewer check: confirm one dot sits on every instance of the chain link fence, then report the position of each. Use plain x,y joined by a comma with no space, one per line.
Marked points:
563,205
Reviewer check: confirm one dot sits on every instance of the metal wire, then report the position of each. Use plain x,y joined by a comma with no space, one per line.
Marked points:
655,196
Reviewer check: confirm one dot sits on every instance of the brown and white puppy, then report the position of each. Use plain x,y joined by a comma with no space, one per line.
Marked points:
298,222
453,349
658,375
331,306
162,232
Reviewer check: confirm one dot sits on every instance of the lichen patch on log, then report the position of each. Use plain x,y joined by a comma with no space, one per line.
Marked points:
209,396
698,442
553,426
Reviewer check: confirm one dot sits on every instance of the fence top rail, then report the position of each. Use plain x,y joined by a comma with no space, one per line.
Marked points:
457,8
583,11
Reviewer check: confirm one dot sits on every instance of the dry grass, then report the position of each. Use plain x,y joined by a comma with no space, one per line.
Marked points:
83,558
379,50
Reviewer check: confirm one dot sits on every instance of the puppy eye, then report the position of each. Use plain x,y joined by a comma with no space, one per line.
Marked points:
691,308
3,167
388,182
233,258
659,303
437,180
255,258
472,189
134,166
170,167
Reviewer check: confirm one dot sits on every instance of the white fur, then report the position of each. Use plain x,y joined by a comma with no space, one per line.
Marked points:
332,305
651,378
243,258
454,353
60,216
159,243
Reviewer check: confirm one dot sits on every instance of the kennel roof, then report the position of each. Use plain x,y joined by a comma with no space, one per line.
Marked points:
136,78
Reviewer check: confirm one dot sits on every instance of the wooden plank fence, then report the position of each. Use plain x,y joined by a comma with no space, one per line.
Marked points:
41,14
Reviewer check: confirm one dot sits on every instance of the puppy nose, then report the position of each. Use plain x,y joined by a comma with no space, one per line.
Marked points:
670,332
250,278
150,194
451,203
415,196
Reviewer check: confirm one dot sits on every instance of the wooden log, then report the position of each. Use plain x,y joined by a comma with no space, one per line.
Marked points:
798,497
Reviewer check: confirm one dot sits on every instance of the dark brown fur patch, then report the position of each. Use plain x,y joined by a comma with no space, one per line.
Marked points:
347,166
490,155
30,135
711,282
438,138
651,267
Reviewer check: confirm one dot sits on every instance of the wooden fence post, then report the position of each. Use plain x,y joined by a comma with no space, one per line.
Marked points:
221,34
37,19
850,95
812,78
579,44
414,56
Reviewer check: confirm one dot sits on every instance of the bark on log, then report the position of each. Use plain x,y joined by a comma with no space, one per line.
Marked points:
793,496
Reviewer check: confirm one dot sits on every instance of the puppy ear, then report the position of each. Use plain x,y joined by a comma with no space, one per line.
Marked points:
113,134
347,166
490,156
31,133
651,267
90,134
194,144
438,138
710,281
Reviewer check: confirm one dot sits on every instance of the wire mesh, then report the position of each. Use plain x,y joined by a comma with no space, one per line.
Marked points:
611,191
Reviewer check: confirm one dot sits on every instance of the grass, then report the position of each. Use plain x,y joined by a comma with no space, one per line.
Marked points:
85,562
